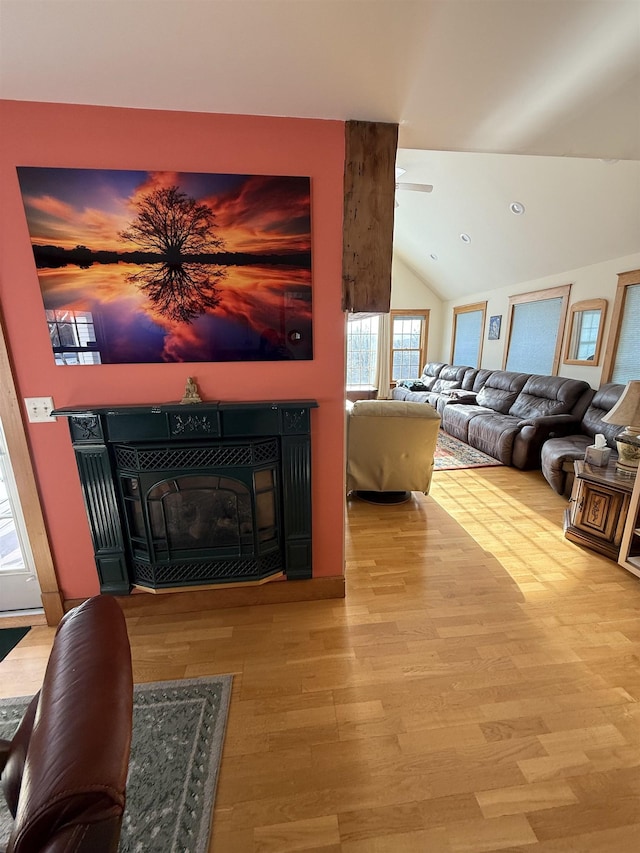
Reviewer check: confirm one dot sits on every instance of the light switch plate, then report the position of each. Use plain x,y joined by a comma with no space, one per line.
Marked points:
39,409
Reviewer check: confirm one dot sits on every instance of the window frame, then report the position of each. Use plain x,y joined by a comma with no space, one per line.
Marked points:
578,308
467,309
625,280
423,315
561,291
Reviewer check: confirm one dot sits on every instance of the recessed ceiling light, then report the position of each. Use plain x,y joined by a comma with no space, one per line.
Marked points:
516,207
465,238
433,256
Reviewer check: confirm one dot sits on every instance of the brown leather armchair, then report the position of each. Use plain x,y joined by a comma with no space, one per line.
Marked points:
64,772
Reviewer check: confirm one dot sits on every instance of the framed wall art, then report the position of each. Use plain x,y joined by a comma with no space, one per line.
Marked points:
144,266
494,327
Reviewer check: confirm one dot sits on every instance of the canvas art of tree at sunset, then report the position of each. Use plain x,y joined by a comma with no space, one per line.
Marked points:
143,267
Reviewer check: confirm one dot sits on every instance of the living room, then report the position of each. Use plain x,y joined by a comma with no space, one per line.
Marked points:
477,687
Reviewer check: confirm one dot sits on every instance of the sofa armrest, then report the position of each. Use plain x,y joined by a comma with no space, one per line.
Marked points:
78,737
553,425
533,434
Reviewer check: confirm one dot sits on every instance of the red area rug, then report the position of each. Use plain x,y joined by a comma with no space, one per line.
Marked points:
452,454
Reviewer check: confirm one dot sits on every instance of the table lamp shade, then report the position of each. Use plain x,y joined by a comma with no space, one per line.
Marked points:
626,412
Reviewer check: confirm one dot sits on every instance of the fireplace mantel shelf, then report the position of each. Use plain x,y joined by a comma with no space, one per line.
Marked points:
156,408
122,451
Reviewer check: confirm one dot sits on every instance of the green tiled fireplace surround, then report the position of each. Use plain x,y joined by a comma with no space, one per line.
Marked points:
197,494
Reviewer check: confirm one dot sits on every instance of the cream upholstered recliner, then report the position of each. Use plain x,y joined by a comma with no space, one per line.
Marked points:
390,446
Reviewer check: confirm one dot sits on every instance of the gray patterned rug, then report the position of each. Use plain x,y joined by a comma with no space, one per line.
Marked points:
178,732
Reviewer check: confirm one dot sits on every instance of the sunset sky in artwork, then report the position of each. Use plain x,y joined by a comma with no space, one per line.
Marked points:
90,207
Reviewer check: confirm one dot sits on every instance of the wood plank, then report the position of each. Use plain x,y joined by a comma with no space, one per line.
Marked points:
369,205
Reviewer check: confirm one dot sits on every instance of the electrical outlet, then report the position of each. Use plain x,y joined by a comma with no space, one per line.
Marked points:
39,409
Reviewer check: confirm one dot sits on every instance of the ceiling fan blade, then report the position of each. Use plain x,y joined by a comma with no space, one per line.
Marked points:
420,188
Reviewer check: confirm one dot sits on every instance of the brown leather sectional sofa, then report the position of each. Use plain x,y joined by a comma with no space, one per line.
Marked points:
507,415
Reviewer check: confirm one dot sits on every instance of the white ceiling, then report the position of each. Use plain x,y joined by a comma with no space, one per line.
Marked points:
559,78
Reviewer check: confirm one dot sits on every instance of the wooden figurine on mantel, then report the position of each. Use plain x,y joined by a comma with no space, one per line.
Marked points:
191,392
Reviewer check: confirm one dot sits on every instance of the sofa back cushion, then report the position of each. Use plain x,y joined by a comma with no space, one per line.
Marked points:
469,378
478,380
450,376
501,389
548,395
603,401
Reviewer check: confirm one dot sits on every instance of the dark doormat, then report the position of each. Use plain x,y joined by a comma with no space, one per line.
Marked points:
10,637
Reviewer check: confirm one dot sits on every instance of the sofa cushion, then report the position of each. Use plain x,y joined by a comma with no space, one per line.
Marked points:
501,390
479,380
449,377
548,395
468,378
432,369
494,433
457,416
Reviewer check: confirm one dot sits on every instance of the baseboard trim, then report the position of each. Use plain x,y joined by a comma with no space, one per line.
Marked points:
16,619
144,604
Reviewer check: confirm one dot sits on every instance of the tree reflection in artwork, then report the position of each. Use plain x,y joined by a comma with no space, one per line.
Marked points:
180,292
176,226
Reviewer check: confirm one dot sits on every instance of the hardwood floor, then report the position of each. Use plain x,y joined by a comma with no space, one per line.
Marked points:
477,690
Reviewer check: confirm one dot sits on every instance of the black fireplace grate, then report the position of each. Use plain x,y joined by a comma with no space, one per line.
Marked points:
175,574
254,453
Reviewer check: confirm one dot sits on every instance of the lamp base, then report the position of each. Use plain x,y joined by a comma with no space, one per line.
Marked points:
628,446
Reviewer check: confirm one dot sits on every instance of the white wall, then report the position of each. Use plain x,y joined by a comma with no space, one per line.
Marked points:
410,292
598,281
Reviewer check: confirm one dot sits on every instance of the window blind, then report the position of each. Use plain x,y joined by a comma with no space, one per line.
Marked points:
534,334
467,342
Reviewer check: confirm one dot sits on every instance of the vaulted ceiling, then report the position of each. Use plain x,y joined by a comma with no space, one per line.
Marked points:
559,79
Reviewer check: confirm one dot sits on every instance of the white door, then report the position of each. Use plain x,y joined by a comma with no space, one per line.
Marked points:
19,588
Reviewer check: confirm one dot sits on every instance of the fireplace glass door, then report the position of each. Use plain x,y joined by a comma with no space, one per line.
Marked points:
195,516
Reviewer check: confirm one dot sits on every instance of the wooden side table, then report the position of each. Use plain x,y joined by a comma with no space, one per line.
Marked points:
361,392
598,507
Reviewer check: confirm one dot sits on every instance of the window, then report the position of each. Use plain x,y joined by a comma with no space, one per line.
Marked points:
535,324
622,359
73,337
408,343
362,349
466,341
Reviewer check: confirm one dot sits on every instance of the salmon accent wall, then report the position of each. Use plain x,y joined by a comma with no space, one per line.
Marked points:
64,135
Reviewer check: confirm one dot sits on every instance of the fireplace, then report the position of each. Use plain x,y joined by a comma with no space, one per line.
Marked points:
199,494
